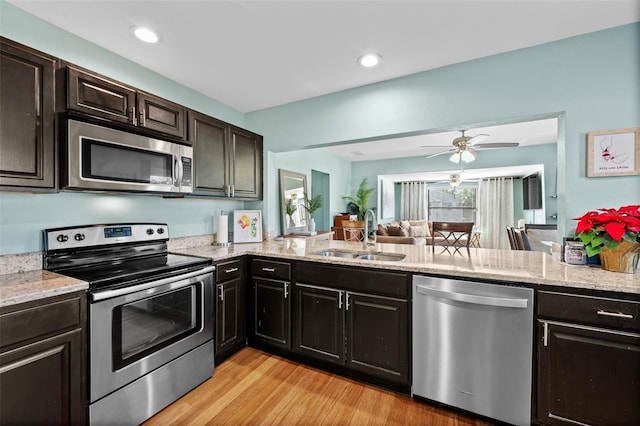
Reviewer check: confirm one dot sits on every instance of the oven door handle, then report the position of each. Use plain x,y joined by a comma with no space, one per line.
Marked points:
108,294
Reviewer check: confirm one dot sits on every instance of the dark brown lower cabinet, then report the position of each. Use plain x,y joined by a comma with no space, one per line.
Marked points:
588,360
230,308
320,323
377,336
42,362
272,312
588,375
354,318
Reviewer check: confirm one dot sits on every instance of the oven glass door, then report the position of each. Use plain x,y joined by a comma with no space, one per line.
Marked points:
148,325
134,330
120,163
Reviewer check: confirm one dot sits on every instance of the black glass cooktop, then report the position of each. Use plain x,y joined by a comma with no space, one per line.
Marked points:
130,272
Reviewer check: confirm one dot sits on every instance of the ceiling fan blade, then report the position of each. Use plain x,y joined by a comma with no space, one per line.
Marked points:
477,139
435,146
440,153
496,145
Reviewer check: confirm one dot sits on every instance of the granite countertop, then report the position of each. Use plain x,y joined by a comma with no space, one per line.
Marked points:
530,267
23,287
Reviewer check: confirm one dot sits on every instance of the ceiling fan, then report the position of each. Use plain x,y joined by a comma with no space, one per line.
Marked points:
464,147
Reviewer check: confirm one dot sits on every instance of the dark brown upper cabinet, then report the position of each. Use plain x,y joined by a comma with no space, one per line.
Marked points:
101,97
228,160
27,139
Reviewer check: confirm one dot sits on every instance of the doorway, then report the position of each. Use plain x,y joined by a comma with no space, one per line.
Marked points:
320,184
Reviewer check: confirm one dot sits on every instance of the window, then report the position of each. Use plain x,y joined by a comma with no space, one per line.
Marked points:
452,205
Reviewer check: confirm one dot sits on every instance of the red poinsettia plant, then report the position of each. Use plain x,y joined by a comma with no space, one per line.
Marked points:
608,228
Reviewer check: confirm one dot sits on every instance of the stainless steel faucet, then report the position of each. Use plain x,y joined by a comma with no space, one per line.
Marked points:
365,241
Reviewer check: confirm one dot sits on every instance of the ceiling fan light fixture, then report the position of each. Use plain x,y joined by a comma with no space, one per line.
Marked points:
455,158
468,155
455,180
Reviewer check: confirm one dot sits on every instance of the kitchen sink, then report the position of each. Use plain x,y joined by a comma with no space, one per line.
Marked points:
337,253
388,257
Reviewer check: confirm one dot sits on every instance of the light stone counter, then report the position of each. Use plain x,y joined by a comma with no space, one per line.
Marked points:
501,265
22,287
535,268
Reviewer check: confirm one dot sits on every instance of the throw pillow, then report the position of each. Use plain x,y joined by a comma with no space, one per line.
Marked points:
396,231
419,228
382,230
404,224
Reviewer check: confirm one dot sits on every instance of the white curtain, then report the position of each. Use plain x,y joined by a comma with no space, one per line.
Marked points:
413,200
495,212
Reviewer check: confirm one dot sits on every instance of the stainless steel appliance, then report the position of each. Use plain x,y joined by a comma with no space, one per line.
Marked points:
100,158
150,316
473,345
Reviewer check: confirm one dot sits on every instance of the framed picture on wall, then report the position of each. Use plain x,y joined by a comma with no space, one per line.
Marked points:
613,152
247,226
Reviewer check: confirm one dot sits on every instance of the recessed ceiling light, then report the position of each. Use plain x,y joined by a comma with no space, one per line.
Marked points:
369,60
145,34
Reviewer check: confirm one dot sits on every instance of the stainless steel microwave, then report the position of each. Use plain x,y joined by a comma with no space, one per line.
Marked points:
103,159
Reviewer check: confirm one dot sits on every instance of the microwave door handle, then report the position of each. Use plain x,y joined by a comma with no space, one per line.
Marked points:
180,170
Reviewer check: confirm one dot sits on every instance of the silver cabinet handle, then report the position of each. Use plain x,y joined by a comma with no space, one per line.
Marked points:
286,290
340,299
233,191
221,290
545,335
269,269
132,116
142,117
228,271
614,314
347,304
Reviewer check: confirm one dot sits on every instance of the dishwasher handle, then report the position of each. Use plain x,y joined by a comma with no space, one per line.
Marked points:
503,302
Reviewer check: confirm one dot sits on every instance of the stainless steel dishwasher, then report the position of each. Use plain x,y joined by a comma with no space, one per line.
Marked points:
473,345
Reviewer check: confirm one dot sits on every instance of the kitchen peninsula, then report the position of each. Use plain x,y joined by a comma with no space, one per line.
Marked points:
564,295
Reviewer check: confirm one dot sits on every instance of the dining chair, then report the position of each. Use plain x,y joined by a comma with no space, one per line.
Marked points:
521,239
512,238
353,230
451,234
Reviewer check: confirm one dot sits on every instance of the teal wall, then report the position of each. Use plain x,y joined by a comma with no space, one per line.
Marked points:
591,79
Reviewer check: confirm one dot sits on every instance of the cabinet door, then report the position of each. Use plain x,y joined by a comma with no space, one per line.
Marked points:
588,375
272,315
27,140
229,315
161,115
100,97
378,336
209,138
41,383
246,168
319,322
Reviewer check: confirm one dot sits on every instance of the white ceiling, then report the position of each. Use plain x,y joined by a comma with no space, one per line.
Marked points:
252,55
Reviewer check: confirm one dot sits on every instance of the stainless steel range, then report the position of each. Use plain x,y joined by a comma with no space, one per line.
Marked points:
150,316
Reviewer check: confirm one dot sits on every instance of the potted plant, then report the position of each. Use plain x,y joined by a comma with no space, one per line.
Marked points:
614,234
311,205
290,209
358,205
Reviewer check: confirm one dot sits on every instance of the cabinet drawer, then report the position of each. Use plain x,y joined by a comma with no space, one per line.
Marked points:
227,271
270,269
40,321
596,311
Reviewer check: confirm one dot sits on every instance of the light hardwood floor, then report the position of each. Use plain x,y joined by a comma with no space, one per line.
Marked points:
255,388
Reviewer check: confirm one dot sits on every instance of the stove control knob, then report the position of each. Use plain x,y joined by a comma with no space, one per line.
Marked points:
62,238
160,231
149,231
78,237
